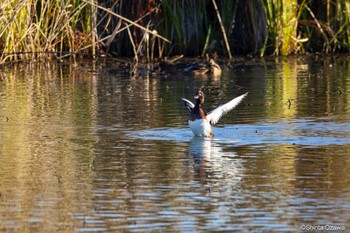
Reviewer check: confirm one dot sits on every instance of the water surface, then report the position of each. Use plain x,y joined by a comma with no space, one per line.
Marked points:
91,149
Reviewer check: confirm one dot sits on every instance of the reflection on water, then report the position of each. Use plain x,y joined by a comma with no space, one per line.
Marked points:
210,157
84,149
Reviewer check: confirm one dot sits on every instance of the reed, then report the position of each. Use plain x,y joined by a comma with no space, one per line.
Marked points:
282,20
327,24
249,27
345,22
308,26
185,23
36,29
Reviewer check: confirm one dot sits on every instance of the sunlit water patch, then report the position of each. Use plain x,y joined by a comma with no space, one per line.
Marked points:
312,132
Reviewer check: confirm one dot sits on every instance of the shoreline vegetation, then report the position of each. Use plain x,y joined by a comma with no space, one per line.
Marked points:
154,29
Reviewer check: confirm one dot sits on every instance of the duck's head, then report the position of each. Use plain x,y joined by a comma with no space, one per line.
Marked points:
199,97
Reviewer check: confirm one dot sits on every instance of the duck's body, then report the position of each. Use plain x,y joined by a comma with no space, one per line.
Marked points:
190,68
200,69
201,128
197,69
199,122
214,68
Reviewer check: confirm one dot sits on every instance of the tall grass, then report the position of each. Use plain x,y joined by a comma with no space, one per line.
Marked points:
185,23
36,29
192,25
326,23
308,26
249,27
282,18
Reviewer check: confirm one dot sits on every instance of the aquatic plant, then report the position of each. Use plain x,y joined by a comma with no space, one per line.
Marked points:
35,29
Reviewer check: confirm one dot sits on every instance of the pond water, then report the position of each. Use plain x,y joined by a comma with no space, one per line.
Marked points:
88,148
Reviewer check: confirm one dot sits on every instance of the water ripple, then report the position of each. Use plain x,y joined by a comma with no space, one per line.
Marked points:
296,132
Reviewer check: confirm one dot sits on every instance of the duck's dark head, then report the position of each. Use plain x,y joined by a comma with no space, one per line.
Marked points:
199,97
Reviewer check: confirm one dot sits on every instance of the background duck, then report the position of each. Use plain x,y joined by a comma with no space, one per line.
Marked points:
197,69
187,68
200,69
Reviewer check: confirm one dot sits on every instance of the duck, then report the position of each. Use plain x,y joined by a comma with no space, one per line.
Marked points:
201,69
200,122
196,69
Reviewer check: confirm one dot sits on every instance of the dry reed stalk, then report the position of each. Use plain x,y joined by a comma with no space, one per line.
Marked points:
222,29
117,29
206,41
109,39
128,21
133,45
153,43
160,48
320,28
93,27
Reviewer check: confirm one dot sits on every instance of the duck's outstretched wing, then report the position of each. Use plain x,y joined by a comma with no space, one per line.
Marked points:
214,115
188,104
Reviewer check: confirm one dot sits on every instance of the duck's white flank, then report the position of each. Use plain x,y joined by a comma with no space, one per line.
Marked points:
201,128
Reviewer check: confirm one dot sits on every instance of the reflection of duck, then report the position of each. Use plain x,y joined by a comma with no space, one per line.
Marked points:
199,122
191,68
213,163
201,147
